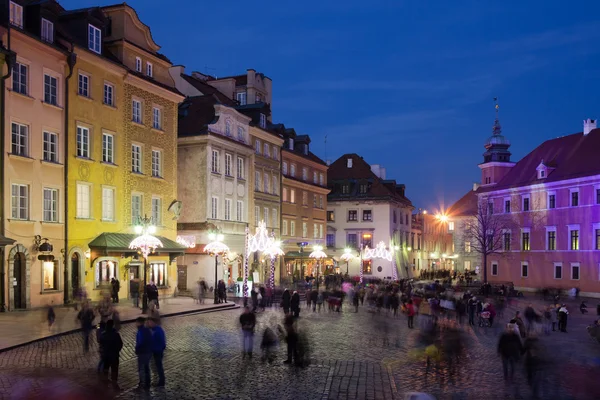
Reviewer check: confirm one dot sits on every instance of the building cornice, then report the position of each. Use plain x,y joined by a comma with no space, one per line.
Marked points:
212,138
266,136
291,156
496,164
37,43
543,186
148,86
305,186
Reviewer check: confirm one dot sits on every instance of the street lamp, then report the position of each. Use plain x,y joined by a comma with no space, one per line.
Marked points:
347,256
273,251
145,244
318,255
216,248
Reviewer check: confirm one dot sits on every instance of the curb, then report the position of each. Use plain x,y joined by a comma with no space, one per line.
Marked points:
228,306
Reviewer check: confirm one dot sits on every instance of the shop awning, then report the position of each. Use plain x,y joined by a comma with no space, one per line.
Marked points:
119,242
4,241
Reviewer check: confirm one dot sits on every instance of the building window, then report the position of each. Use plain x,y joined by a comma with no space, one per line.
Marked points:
136,208
228,209
240,168
136,158
321,180
362,188
158,274
83,88
315,177
525,203
574,198
157,211
551,201
275,185
109,93
156,118
50,205
107,270
256,215
321,202
20,202
228,128
320,231
525,245
214,162
352,241
108,148
256,181
20,139
597,239
305,199
263,121
293,196
266,150
292,228
228,161
240,211
284,168
83,142
346,189
293,171
284,195
315,231
16,14
214,208
266,183
138,64
284,227
367,266
94,39
557,271
304,174
50,147
83,201
156,163
507,206
574,234
575,272
257,146
50,269
494,269
597,196
314,201
352,215
304,230
240,134
490,208
551,240
451,226
108,204
50,90
275,219
467,247
275,153
524,270
149,69
330,240
136,111
367,215
47,31
266,216
19,74
330,216
241,98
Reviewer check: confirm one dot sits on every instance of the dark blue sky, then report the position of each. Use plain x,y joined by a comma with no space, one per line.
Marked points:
405,84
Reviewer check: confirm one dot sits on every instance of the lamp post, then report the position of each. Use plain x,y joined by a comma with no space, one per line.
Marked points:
302,245
145,244
347,256
318,255
216,248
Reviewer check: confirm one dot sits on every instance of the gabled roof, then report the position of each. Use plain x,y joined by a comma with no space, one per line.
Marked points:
465,206
195,114
207,89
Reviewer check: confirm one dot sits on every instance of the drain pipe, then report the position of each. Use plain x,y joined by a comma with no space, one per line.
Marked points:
71,60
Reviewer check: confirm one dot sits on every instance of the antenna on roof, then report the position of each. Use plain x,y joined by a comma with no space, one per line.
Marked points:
206,69
326,147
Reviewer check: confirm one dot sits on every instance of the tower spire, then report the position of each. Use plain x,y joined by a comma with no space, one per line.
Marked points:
497,129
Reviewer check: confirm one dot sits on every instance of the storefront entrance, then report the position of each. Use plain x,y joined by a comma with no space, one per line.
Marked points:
19,268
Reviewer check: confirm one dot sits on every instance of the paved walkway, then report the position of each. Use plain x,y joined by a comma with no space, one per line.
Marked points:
21,327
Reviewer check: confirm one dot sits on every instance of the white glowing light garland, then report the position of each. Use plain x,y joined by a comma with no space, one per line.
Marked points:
378,252
145,244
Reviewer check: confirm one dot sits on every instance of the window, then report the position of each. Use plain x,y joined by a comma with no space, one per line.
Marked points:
106,270
256,215
149,69
293,196
240,210
50,147
320,231
20,202
83,88
304,174
451,226
305,199
266,216
266,150
240,168
597,231
94,38
138,64
20,139
574,198
467,247
367,267
257,146
19,75
108,148
542,174
241,134
157,211
321,202
50,205
284,227
494,269
136,208
284,195
551,201
275,153
156,163
551,240
109,94
83,142
228,128
256,180
158,274
214,162
490,208
314,201
241,98
275,185
136,158
16,14
50,90
352,215
50,270
321,180
304,230
136,111
524,270
507,206
346,189
47,31
108,204
525,244
315,231
83,201
362,188
557,271
330,240
228,161
274,216
228,209
292,228
266,183
263,121
597,196
214,208
367,215
526,203
293,171
156,118
352,241
574,234
315,177
575,272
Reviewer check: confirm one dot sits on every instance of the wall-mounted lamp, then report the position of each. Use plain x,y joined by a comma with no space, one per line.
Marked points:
88,254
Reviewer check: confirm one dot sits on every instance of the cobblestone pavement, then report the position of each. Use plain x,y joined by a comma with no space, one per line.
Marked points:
354,356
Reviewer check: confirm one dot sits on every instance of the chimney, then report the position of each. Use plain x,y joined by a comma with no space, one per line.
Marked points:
588,126
475,186
378,170
328,162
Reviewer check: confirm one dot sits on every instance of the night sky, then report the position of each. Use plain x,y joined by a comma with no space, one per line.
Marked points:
405,84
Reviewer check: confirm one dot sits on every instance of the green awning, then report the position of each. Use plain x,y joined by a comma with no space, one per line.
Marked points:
119,242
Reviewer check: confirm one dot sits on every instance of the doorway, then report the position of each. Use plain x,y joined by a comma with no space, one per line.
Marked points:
75,275
181,277
19,274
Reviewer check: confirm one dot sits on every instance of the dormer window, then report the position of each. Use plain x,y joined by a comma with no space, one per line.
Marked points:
306,149
291,144
47,31
149,69
241,98
349,163
542,174
94,39
138,64
16,14
263,121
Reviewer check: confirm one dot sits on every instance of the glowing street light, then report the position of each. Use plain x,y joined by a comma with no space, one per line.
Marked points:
347,256
442,218
318,255
273,251
216,248
145,244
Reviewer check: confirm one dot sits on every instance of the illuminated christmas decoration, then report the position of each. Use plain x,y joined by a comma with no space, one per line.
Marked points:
318,255
216,248
273,251
146,244
245,285
187,241
380,251
347,256
260,241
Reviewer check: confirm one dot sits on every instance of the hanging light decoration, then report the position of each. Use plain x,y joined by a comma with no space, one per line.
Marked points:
273,251
380,251
247,253
146,244
260,241
216,246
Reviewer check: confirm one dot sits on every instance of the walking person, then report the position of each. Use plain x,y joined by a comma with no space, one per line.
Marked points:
563,314
115,287
291,337
410,312
248,323
509,348
254,297
134,290
472,306
159,344
314,297
99,332
295,304
534,363
111,344
319,301
143,350
86,319
286,301
51,316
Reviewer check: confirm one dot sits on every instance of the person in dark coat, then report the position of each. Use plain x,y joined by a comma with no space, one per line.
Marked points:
143,350
295,304
134,291
86,319
115,287
291,337
254,296
286,301
159,344
534,363
314,296
472,307
509,348
111,344
248,323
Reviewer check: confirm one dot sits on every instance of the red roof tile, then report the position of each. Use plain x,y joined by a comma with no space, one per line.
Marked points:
207,89
465,206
